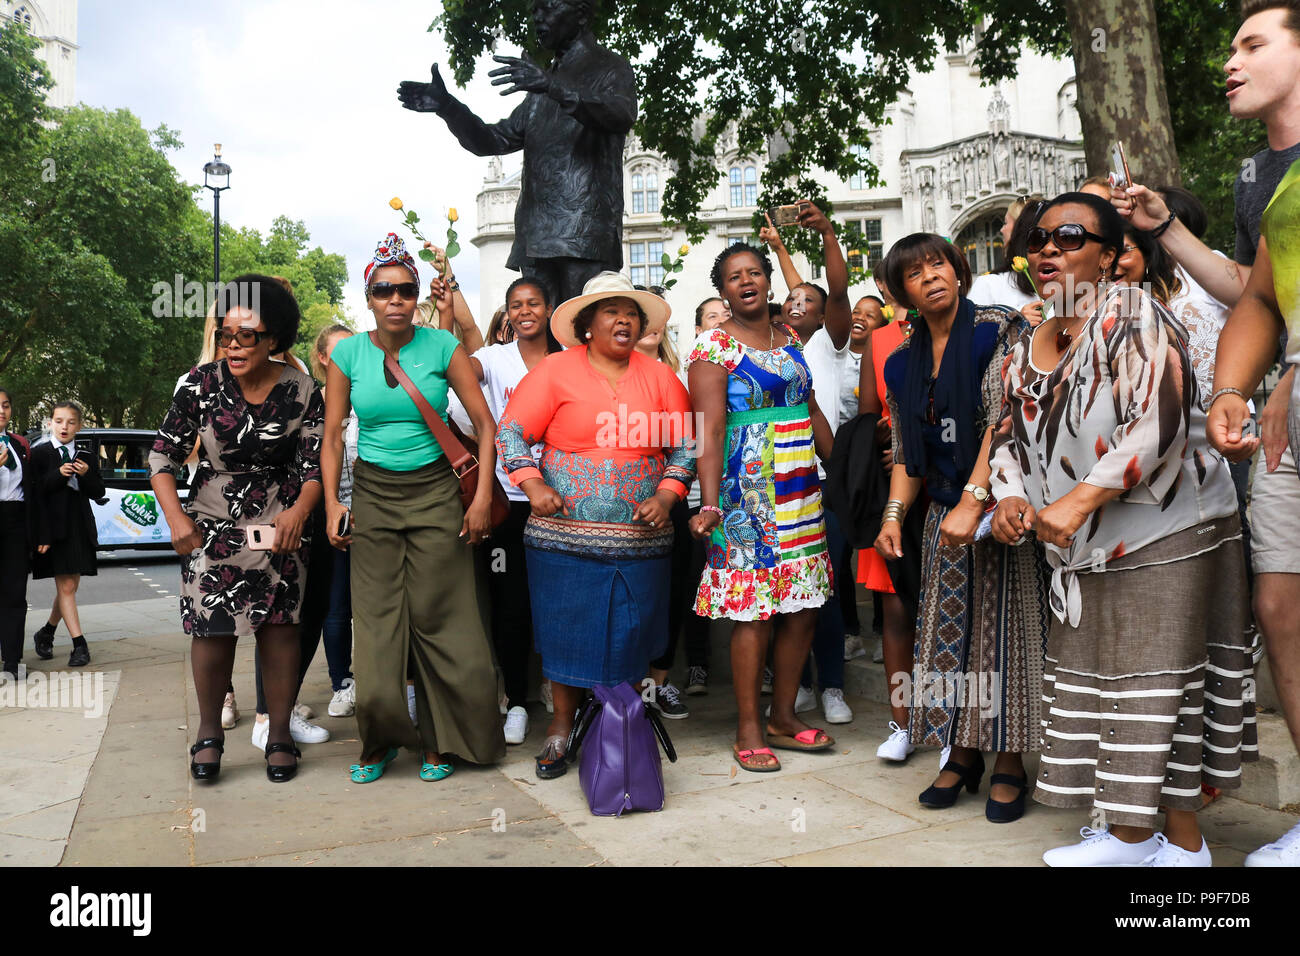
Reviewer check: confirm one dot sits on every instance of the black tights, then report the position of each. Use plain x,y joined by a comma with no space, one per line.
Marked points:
213,660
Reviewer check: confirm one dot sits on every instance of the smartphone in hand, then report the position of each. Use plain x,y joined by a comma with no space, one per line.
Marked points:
261,537
345,525
1120,177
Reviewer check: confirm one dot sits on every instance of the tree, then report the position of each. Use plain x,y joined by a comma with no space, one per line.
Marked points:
820,73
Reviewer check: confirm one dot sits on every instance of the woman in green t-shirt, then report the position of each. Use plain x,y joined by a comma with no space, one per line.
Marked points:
413,594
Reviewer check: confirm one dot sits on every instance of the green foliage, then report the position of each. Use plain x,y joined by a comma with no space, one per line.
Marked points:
820,73
94,221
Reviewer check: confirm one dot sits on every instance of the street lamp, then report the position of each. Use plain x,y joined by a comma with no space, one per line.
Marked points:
216,176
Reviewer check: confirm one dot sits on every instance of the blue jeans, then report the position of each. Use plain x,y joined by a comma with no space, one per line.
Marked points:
828,638
337,629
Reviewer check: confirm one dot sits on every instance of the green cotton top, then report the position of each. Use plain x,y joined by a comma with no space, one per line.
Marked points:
1280,225
392,433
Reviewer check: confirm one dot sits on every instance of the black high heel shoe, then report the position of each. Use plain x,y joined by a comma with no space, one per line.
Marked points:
276,773
209,770
996,811
940,798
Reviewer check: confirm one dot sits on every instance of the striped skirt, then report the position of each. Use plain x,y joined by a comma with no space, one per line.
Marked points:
768,556
1151,695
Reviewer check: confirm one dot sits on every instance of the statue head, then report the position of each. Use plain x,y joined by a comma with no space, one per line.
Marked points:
557,22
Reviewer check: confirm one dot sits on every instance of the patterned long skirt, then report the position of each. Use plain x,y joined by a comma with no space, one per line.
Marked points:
980,635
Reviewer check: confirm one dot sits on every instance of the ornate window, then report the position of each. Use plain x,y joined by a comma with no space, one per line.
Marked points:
858,180
872,248
743,181
645,190
646,261
22,16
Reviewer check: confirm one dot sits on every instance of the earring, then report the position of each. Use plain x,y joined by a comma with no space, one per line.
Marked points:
588,335
770,295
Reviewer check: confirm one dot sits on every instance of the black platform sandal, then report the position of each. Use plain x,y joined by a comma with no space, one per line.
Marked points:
276,773
209,770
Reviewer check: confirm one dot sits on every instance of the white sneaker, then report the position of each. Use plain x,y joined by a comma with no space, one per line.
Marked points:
547,699
896,747
229,713
1170,855
804,701
344,701
1284,851
853,647
305,712
261,728
305,733
1099,848
516,725
410,704
878,651
833,706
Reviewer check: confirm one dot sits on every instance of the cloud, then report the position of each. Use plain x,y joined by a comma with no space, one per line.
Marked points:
303,99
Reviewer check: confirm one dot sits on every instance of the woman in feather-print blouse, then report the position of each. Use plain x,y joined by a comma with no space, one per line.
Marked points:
1146,658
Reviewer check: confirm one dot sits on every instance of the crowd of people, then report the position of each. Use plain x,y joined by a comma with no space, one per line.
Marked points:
1040,474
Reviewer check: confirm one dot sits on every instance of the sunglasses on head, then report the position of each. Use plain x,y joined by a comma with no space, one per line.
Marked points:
386,290
246,338
1067,237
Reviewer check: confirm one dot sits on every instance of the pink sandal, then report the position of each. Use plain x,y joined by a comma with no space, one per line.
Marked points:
804,740
744,756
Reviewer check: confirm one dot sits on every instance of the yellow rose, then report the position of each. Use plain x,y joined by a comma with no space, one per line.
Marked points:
683,250
888,313
452,215
395,203
1020,264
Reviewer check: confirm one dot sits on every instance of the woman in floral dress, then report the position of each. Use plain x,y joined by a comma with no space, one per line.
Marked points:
768,567
259,425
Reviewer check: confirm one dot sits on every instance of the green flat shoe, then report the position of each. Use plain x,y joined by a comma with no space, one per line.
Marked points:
436,771
370,772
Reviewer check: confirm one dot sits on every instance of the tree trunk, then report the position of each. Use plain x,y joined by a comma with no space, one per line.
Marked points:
1121,84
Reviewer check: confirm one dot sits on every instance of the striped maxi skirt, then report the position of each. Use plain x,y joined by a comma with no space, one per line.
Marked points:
1152,694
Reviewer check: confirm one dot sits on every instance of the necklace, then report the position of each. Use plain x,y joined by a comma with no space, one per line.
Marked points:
1063,337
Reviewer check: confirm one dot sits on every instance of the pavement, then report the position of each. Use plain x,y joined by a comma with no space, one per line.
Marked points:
104,781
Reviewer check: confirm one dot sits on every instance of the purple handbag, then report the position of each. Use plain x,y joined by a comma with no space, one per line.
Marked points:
619,769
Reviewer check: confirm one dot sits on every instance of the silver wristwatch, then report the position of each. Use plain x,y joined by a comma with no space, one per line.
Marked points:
980,494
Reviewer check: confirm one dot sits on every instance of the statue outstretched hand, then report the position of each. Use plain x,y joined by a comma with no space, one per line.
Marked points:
522,74
428,97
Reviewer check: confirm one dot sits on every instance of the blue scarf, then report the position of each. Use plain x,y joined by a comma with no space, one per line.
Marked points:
956,393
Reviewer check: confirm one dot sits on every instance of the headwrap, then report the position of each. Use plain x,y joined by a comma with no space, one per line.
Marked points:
391,251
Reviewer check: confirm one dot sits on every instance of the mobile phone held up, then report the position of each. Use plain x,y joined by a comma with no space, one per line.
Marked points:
84,454
1120,177
786,215
261,537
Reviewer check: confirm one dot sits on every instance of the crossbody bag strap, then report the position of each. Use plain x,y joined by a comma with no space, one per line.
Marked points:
462,461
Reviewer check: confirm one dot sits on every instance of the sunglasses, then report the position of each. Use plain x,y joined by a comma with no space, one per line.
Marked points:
386,290
1067,237
246,338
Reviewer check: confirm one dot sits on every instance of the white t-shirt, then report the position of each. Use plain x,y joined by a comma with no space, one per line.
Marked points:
828,366
1203,316
503,369
999,288
848,403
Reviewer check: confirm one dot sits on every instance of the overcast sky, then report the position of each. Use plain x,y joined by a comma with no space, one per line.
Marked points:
302,95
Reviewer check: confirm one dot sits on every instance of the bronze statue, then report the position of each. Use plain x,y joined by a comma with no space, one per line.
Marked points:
571,127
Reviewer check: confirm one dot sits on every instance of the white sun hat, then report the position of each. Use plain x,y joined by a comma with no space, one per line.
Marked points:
608,285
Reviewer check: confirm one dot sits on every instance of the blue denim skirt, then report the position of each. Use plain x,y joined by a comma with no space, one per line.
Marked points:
598,620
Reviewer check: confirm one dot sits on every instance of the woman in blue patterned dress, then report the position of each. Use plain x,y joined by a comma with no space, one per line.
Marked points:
768,567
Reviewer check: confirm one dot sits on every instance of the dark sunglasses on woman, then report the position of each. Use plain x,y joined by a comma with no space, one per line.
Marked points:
246,338
385,290
1067,237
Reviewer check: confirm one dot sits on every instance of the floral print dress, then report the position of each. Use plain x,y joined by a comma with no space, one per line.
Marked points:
768,556
253,463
